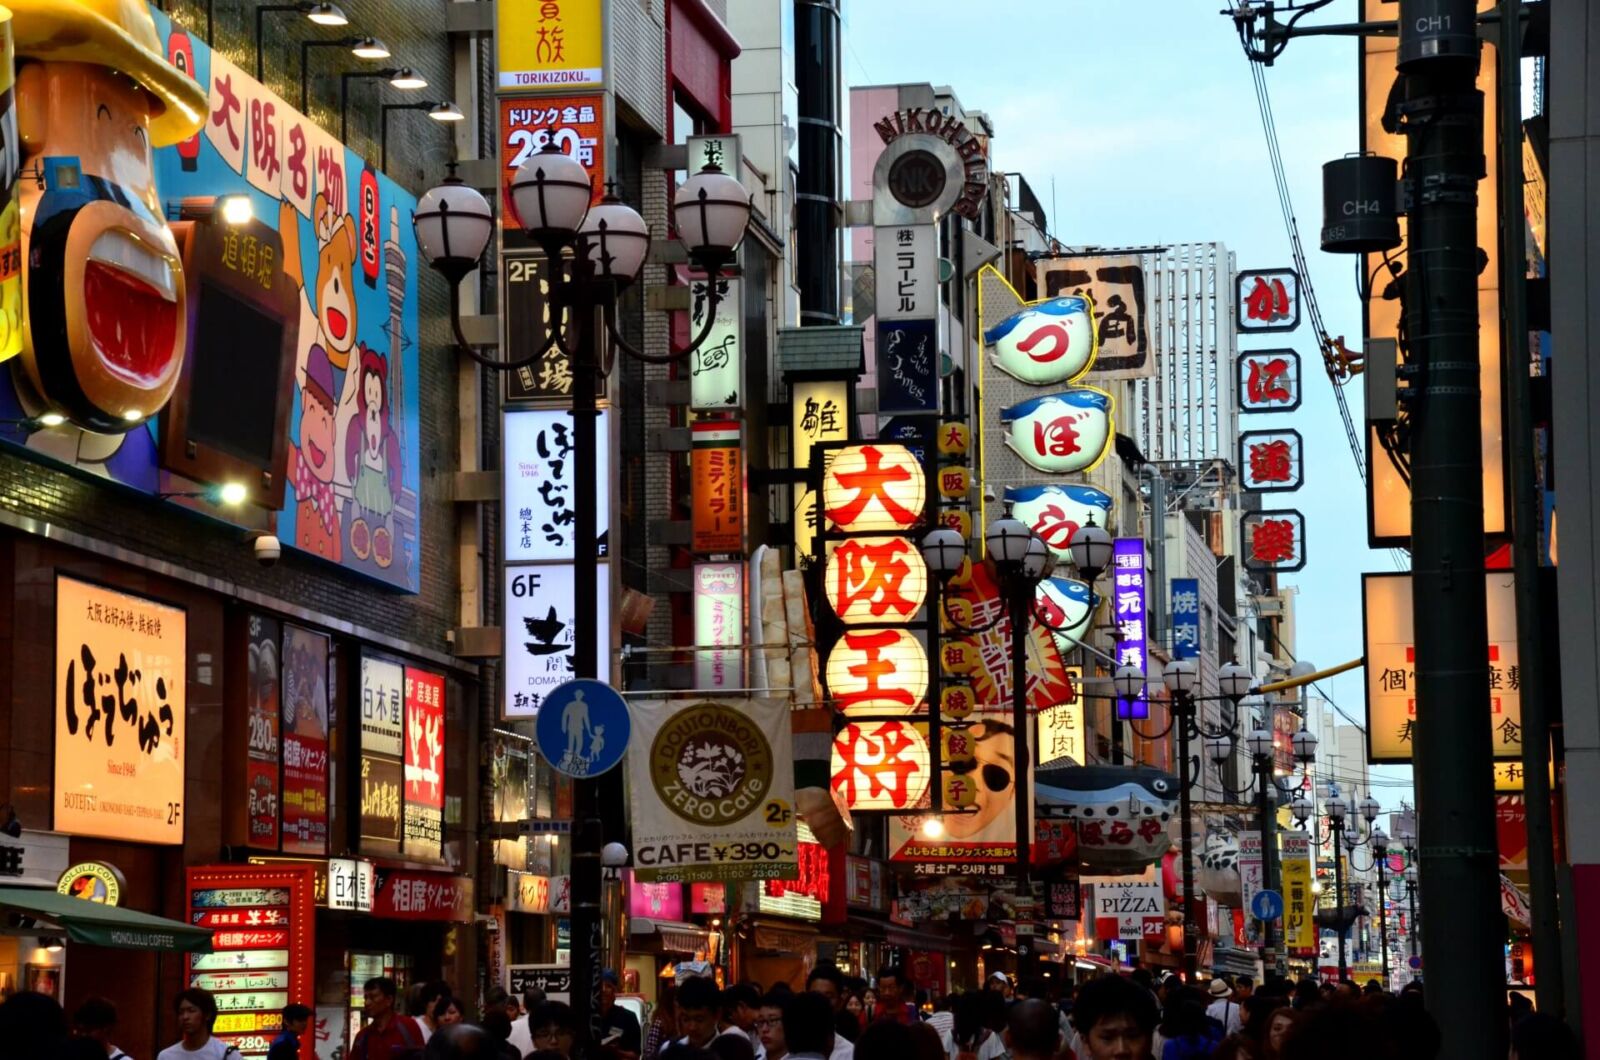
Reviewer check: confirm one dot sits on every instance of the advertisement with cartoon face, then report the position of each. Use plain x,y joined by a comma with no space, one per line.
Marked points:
128,114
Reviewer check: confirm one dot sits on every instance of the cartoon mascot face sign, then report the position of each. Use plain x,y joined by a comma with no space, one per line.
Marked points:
103,289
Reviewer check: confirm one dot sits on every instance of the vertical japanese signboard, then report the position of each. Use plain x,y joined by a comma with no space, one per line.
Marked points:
546,44
1251,878
575,124
120,716
908,366
305,742
539,602
263,945
820,410
719,625
1185,604
1128,607
906,265
1115,285
1391,667
1299,904
382,743
526,319
717,488
424,764
718,361
538,485
263,750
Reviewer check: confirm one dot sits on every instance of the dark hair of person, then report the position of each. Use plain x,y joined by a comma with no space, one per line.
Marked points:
294,1011
1142,977
555,1014
1541,1036
884,1039
968,1012
778,997
494,997
1185,1014
732,1047
808,1024
78,1049
496,1024
430,993
829,972
32,1024
382,984
458,1043
1033,986
200,999
677,1051
533,997
95,1014
895,972
925,1042
1033,1027
993,1004
1376,1029
740,994
1306,994
699,994
846,1025
1112,995
545,1054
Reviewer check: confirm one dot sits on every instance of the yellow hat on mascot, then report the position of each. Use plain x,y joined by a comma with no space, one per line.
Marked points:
119,34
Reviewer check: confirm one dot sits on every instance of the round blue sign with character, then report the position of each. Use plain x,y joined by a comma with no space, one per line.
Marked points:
583,728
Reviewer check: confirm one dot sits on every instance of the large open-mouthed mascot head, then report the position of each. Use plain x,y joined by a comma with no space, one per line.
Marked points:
103,289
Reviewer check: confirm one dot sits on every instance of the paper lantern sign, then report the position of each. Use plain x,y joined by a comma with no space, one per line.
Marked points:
1068,607
1121,811
878,671
1045,344
873,487
954,482
960,790
1274,540
1056,513
1269,381
957,519
880,765
957,701
1271,461
1061,433
1268,300
958,748
876,580
959,656
954,439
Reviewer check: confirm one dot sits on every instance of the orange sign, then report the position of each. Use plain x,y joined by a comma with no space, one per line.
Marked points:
120,670
576,124
716,489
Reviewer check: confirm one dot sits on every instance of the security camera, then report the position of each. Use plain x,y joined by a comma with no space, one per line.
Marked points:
989,495
267,549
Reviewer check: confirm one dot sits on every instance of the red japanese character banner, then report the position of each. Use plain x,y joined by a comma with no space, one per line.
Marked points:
424,764
263,744
305,742
1267,300
575,124
1274,540
716,490
263,947
404,894
121,665
1269,381
1271,461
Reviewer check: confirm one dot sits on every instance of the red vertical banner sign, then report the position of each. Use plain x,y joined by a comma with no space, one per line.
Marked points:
305,742
717,488
263,948
424,764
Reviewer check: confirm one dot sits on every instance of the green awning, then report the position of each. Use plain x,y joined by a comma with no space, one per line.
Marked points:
104,925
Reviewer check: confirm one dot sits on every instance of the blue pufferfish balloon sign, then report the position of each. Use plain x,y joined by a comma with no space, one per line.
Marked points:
1045,344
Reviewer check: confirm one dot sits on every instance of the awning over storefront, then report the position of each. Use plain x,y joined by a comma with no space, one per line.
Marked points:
675,935
103,925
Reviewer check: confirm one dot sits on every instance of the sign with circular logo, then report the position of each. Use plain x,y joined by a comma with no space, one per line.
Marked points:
583,728
93,881
711,764
916,179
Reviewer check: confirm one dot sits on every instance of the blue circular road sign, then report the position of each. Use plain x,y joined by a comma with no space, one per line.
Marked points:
1266,905
583,728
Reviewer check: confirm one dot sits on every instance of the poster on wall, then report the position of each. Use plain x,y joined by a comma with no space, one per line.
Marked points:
350,255
983,841
424,764
305,741
526,318
713,785
120,718
539,624
717,362
263,751
538,486
382,778
382,717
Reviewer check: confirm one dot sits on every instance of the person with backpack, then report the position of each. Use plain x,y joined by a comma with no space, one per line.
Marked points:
296,1021
389,1035
197,1011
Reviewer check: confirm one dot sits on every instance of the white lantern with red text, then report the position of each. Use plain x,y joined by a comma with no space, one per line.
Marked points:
873,487
880,765
878,671
878,580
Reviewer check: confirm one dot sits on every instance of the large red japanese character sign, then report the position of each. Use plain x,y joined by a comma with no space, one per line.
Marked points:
873,487
881,765
1269,381
1046,343
1268,300
1271,461
878,671
876,580
1274,540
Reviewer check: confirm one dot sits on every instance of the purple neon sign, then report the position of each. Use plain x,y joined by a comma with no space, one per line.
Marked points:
1128,604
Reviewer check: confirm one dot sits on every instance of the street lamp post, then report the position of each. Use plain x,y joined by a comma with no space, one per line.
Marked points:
593,253
1411,899
1336,808
1259,743
1180,677
1380,853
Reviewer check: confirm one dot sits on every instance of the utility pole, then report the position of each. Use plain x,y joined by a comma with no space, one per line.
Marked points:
1454,764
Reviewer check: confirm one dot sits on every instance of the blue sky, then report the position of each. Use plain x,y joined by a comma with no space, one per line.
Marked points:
1143,114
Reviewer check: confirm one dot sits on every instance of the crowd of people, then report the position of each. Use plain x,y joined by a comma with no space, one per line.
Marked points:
836,1017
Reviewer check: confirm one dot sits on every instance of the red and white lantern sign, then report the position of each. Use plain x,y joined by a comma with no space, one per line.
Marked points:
1274,540
878,671
873,487
881,765
1268,300
876,580
1271,461
1269,381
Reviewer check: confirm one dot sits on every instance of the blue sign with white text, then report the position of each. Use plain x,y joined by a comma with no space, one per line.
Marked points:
583,728
1185,618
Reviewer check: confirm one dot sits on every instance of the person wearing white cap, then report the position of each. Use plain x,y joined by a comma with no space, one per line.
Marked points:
1223,1008
999,981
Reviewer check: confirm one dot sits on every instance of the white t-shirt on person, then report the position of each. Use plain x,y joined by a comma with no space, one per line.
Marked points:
214,1049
